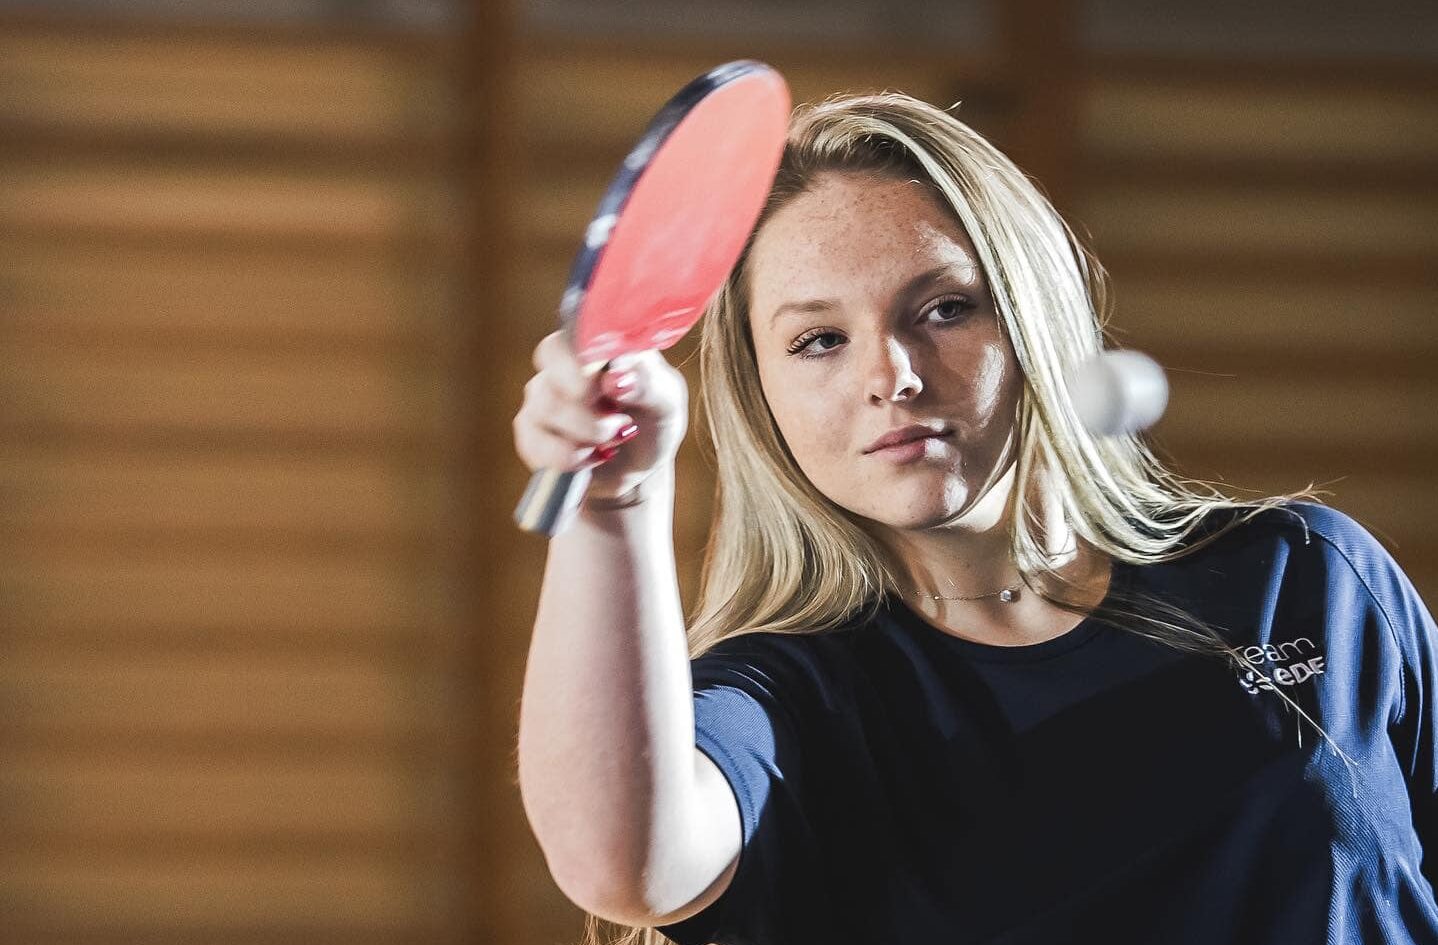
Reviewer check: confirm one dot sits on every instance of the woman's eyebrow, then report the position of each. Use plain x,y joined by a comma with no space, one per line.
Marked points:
967,273
806,307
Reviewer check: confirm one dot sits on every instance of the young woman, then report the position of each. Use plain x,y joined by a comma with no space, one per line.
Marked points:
960,671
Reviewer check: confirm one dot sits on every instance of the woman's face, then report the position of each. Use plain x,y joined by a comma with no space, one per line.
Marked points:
871,317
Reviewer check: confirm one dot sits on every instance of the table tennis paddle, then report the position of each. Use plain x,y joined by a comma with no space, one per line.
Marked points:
665,236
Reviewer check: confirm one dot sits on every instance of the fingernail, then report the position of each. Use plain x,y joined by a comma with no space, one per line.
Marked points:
620,387
627,433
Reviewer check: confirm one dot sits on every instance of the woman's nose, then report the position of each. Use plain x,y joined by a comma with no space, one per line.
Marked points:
893,376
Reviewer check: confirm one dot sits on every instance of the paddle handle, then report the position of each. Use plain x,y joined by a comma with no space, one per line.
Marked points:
550,500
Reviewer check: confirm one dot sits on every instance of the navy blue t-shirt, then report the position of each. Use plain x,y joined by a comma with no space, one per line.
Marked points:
898,784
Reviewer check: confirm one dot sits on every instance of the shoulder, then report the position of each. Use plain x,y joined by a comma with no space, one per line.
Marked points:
1296,529
1369,563
1299,560
1334,528
1303,541
1327,556
1345,538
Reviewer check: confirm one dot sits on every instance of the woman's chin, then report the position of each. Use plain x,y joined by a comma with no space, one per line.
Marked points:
917,516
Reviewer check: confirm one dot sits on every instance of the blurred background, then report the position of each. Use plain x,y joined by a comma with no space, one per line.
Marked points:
270,276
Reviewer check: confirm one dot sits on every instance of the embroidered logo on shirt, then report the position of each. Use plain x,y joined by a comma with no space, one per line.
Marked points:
1301,662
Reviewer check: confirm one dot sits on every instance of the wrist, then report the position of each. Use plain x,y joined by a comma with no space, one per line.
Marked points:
641,493
612,503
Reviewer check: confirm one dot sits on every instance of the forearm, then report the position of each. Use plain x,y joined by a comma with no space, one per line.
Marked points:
606,734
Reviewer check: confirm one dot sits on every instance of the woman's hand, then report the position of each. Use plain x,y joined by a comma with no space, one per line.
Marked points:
626,422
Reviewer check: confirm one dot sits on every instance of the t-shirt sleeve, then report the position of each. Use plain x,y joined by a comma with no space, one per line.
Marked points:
1416,731
1413,724
747,720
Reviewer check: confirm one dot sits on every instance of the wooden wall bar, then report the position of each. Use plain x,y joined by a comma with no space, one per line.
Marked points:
494,568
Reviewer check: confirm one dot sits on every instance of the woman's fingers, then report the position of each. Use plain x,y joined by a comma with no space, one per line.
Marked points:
579,424
554,360
541,450
645,383
622,386
574,416
542,447
554,430
642,378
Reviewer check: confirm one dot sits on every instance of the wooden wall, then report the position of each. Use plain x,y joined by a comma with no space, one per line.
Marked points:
267,299
232,446
1272,232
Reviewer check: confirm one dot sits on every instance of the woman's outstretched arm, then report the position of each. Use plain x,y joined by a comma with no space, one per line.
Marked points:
637,826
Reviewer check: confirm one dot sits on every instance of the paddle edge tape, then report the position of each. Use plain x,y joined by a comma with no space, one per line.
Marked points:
621,187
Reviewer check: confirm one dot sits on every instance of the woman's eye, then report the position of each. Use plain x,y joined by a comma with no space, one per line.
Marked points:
809,346
948,309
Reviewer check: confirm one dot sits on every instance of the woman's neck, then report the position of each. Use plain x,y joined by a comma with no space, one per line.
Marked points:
972,558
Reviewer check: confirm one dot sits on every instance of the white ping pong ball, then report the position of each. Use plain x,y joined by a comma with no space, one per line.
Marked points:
1119,392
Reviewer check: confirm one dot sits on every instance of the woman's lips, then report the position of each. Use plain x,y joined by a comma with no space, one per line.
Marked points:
900,435
911,451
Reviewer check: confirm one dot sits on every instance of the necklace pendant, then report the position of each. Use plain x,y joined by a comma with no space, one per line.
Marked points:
1008,595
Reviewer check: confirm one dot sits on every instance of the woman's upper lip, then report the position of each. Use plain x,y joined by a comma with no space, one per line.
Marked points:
914,431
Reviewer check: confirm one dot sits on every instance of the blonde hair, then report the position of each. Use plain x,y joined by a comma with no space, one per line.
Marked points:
782,558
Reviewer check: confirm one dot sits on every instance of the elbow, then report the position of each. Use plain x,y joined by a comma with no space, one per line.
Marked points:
602,891
609,862
588,871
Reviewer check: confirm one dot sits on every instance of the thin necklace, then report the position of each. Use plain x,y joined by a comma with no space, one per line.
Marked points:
1006,595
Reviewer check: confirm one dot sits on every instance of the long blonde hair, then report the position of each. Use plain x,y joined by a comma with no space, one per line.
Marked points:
782,558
